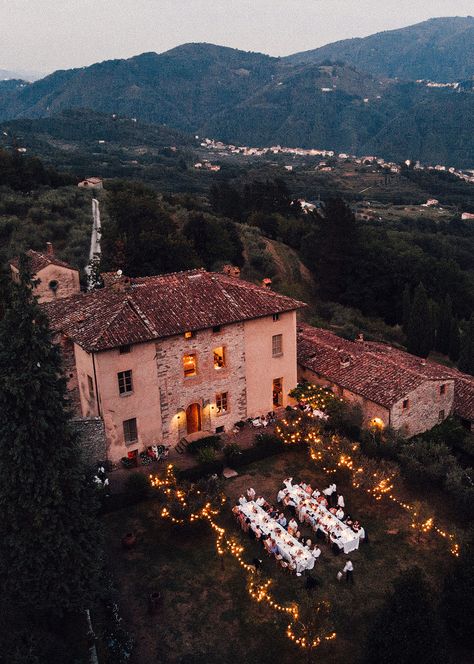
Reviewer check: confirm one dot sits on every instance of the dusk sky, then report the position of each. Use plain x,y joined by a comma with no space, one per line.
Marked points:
59,34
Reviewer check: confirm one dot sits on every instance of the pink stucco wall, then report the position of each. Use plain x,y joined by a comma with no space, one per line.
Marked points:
261,368
66,278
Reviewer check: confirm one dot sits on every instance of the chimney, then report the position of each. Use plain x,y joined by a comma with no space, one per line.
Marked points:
360,337
49,249
231,271
267,282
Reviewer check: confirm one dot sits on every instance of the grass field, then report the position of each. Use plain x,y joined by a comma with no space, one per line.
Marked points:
207,615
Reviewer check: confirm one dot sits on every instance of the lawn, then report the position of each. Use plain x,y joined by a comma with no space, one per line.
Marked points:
207,614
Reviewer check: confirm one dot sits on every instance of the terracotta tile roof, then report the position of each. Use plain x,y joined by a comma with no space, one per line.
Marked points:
137,310
376,371
39,261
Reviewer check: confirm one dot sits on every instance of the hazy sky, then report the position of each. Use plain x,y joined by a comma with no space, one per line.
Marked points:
45,35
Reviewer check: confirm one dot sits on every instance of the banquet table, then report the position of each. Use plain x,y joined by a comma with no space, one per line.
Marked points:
339,532
288,547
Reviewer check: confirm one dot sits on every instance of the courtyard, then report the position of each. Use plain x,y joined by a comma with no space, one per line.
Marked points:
206,613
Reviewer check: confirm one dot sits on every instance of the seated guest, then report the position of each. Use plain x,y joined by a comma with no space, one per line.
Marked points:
323,502
308,543
242,499
281,494
308,489
273,547
286,500
251,493
246,525
260,501
316,552
361,533
273,512
282,520
257,533
316,493
340,513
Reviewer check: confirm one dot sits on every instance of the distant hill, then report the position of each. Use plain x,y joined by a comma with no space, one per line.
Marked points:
440,49
250,98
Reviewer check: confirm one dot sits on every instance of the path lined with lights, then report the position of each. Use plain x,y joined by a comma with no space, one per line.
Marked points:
257,589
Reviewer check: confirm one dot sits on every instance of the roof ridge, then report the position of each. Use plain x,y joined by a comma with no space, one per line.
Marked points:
112,319
137,309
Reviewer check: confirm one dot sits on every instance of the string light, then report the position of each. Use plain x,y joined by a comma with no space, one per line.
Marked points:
258,590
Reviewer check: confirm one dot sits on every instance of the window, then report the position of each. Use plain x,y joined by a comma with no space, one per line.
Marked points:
216,329
125,382
189,365
442,389
189,334
130,431
221,403
123,350
276,317
441,415
219,357
405,404
90,385
219,429
277,345
53,285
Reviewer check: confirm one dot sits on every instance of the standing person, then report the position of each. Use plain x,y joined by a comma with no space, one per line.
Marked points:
251,494
340,501
333,494
349,570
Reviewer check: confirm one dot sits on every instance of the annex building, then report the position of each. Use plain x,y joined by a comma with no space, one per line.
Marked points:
392,387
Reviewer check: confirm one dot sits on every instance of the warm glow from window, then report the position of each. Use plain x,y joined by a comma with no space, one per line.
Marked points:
221,403
219,358
188,334
189,365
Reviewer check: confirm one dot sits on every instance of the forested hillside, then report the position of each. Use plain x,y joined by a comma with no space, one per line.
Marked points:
440,49
252,98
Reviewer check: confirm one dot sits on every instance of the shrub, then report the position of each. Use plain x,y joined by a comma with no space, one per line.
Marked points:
268,441
206,455
344,418
240,424
384,444
231,451
137,487
207,441
426,461
460,485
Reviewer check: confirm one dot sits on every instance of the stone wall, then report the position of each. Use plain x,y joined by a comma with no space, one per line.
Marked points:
91,435
177,392
427,406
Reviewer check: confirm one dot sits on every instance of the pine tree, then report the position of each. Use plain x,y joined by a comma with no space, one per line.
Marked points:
454,340
407,628
466,357
49,534
420,329
443,332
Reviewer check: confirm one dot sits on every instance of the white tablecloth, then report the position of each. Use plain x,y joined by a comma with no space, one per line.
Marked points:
339,533
288,546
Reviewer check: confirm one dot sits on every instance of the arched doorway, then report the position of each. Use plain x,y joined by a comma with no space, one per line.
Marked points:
193,418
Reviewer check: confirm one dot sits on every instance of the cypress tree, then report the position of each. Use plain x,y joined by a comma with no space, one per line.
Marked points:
454,340
407,628
466,357
406,307
420,329
443,332
50,542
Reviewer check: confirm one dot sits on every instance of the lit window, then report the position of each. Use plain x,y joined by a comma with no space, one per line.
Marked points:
276,317
125,382
219,358
130,433
90,385
189,365
277,345
442,389
221,403
377,423
188,334
123,350
278,391
405,404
